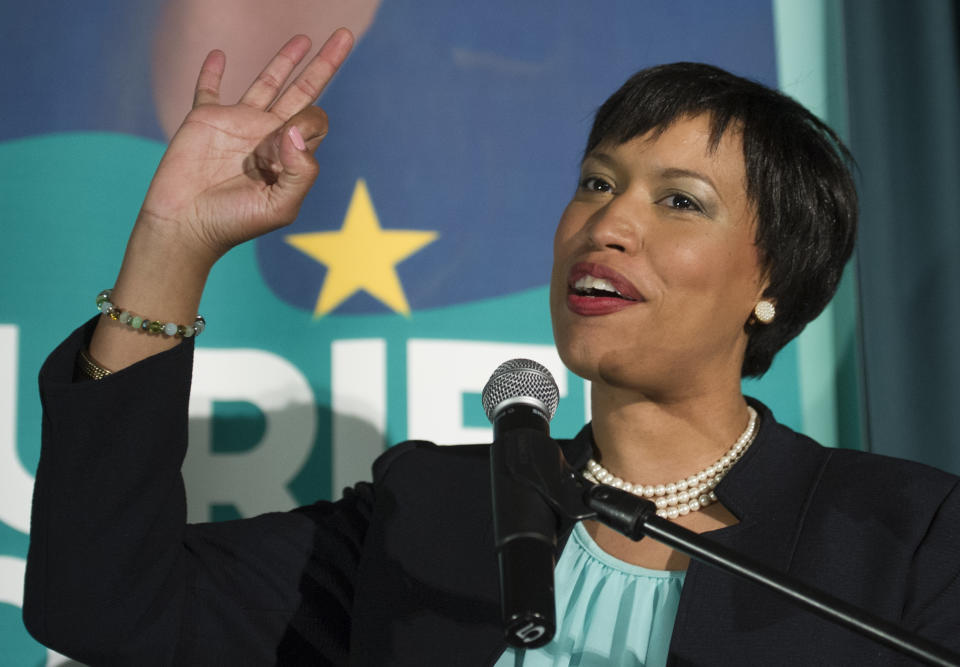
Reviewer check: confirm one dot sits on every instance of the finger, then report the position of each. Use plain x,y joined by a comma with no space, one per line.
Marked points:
307,87
299,172
311,124
263,91
208,83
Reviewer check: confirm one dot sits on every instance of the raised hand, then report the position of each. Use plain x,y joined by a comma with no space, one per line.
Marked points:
231,173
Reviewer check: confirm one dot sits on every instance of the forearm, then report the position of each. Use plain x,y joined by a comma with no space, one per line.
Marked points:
109,568
162,278
114,574
106,566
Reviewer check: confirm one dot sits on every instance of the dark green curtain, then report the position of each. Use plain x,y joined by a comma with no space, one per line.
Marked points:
904,106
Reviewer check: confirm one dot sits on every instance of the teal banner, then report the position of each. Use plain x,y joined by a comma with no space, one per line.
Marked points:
419,262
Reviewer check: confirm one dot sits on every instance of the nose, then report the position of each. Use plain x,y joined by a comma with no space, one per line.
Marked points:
614,227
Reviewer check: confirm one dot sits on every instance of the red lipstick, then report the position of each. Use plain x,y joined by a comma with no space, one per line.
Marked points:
600,304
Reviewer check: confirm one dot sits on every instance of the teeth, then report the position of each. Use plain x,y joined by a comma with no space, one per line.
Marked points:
589,282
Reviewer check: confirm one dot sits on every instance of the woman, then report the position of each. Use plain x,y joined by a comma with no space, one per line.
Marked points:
711,222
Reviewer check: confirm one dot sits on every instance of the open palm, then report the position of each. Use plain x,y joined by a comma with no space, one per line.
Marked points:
232,173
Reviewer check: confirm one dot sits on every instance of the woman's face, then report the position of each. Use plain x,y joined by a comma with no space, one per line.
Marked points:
655,269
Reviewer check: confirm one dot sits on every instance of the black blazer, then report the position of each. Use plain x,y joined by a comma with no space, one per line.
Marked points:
402,571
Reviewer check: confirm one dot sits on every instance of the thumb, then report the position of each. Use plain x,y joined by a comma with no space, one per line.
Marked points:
299,166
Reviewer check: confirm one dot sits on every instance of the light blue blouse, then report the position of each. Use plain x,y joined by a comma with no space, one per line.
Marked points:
608,612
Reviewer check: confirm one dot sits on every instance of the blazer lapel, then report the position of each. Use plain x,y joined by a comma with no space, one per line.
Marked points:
768,490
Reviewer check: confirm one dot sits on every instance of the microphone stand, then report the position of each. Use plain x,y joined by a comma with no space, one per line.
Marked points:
539,463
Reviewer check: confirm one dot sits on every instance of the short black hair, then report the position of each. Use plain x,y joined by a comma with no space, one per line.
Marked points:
798,181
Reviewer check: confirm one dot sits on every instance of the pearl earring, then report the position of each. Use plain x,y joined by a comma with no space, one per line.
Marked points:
764,311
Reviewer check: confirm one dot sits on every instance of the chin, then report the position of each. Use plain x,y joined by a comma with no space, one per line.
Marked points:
578,354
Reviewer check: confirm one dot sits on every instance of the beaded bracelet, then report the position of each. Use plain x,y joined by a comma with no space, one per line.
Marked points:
105,306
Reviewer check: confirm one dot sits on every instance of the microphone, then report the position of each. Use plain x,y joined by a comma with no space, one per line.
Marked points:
520,399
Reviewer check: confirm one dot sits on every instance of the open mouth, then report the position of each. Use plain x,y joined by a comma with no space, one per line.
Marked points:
597,289
592,286
597,281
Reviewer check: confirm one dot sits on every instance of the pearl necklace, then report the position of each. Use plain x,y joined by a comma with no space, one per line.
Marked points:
685,495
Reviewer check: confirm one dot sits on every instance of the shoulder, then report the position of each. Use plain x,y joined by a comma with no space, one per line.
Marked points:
896,520
847,472
838,496
898,500
853,477
900,479
426,457
848,519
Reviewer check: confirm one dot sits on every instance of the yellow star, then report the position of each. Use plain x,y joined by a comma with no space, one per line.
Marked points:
361,256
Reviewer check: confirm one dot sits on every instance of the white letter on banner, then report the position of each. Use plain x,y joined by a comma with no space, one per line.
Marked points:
439,372
16,484
254,480
12,571
359,393
587,404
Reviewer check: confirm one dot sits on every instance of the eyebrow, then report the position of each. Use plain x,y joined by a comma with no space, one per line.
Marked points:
677,172
600,157
669,172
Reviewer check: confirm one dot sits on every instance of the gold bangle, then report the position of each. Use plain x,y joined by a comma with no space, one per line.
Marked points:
91,368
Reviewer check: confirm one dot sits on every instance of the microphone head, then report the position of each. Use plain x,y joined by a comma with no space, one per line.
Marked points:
520,380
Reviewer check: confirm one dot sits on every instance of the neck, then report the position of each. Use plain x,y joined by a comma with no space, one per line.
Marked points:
655,441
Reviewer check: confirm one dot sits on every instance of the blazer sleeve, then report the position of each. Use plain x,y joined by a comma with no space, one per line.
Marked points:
115,575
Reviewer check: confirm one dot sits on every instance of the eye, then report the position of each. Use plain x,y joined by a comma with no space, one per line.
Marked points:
681,202
595,184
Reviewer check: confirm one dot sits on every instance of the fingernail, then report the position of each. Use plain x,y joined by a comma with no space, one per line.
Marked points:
297,138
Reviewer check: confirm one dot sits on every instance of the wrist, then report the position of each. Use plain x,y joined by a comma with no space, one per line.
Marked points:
157,241
155,283
163,272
